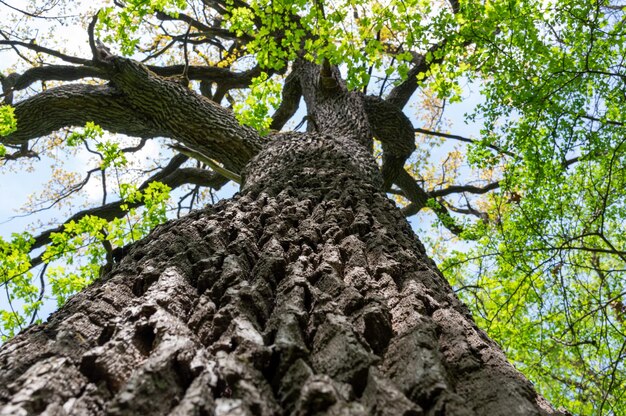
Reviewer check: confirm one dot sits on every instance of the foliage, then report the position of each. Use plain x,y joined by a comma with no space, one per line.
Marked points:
546,276
8,124
359,34
74,257
120,25
541,258
254,110
111,153
15,273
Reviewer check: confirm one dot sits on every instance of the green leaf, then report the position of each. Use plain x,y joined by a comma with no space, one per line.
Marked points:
8,122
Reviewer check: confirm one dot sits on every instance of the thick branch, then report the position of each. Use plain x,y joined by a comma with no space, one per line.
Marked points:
291,94
74,105
56,73
140,104
401,94
456,5
331,108
395,131
190,118
222,76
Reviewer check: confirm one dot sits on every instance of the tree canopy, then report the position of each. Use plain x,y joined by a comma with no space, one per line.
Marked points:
529,210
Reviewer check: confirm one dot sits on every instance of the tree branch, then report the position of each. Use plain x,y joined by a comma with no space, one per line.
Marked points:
291,94
48,51
401,93
207,161
183,115
74,105
140,104
483,216
222,76
421,199
56,73
395,132
205,29
461,139
454,189
171,175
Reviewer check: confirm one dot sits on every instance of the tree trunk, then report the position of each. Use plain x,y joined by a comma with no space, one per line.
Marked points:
308,293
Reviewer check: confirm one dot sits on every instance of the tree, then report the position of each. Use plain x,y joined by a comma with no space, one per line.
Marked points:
308,292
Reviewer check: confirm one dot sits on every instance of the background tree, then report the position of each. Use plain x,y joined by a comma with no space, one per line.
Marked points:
539,192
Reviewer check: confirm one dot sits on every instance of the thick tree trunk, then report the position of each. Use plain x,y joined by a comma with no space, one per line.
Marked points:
308,293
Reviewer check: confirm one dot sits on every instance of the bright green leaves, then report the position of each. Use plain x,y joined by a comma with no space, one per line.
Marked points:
154,199
546,277
8,122
274,37
74,256
109,151
254,110
120,27
64,283
91,131
86,236
241,21
534,73
112,155
364,36
122,24
83,237
15,277
76,236
480,156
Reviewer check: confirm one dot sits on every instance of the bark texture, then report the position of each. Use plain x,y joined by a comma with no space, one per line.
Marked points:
308,293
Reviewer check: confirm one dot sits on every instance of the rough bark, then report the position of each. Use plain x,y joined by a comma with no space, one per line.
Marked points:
307,293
